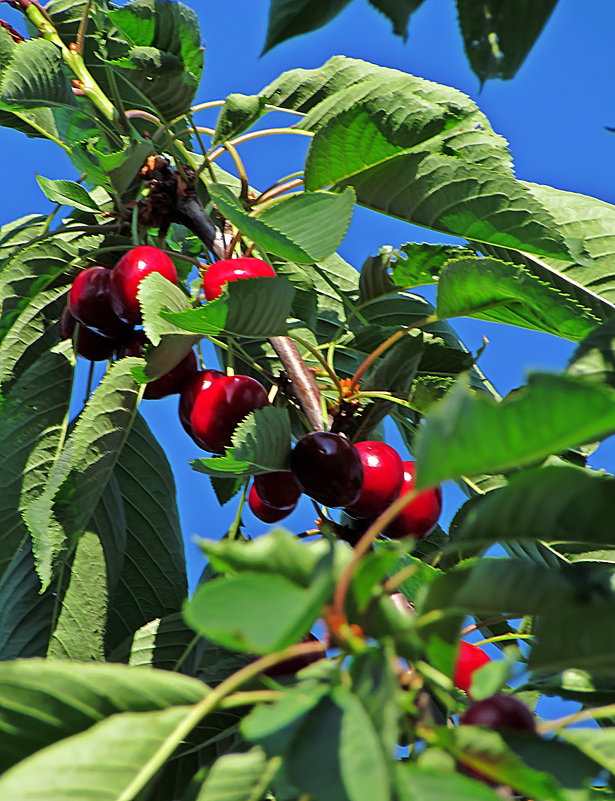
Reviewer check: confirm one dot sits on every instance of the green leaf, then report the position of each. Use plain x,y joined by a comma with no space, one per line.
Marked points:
377,687
260,444
43,701
67,193
394,371
398,11
597,744
152,579
18,233
108,759
33,75
288,18
498,37
502,292
81,472
593,359
559,647
243,612
156,293
237,777
552,504
238,113
419,264
303,228
466,434
427,784
252,307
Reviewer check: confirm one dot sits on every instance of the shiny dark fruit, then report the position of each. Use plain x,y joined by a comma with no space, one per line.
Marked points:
469,658
220,406
383,475
499,712
89,302
225,270
262,510
420,516
170,383
90,345
278,489
291,666
200,380
328,468
131,269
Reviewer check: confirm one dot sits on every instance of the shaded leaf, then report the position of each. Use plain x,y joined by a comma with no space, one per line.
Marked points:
237,777
419,264
33,75
398,11
558,644
598,744
427,784
288,18
594,359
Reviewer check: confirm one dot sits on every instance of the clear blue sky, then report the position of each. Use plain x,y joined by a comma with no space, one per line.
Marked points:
553,113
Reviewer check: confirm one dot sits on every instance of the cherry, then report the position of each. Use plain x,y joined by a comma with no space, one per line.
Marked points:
469,658
328,468
90,345
291,666
265,512
278,489
170,383
89,302
499,712
200,380
131,269
221,272
420,516
383,475
220,405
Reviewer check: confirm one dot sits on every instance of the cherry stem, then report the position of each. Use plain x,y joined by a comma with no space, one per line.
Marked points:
257,135
398,578
362,546
503,638
269,194
232,245
584,714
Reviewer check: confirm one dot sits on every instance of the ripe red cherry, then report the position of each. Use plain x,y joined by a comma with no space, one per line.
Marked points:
220,406
291,666
200,380
262,510
131,269
469,658
499,712
328,468
383,474
90,345
419,516
170,383
89,302
278,489
221,272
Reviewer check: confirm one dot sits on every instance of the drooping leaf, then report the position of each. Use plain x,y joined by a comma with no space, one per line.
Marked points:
499,37
594,359
398,11
502,292
288,18
238,112
467,434
67,193
260,444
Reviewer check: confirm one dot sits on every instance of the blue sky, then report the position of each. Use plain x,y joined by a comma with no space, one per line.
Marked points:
553,113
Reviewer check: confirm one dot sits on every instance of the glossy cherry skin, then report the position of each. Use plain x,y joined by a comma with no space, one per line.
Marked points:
131,269
90,345
219,408
383,475
221,272
499,712
469,658
170,383
278,489
262,510
89,302
420,516
291,666
328,468
200,380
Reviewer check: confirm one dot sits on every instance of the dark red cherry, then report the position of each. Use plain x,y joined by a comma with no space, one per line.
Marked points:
200,380
131,269
328,468
278,489
499,712
291,666
262,510
469,658
383,474
220,406
89,301
221,272
170,383
90,345
419,516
